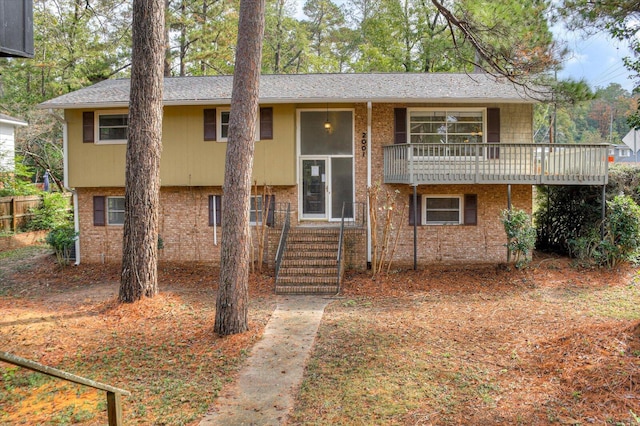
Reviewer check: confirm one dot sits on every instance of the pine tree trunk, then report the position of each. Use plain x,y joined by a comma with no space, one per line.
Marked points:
142,185
233,294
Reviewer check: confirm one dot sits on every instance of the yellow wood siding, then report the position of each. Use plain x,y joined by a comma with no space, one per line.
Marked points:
187,160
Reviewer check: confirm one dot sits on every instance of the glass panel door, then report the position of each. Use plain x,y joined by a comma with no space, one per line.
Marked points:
342,187
314,188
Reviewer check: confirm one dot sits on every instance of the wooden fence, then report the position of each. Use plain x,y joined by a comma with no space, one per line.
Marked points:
16,211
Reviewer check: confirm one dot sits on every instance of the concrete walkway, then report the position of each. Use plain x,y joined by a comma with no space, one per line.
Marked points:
264,392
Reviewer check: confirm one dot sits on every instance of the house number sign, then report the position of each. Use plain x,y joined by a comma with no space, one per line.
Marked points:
363,144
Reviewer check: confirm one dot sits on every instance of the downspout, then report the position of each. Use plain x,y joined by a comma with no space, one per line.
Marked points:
368,180
76,226
65,184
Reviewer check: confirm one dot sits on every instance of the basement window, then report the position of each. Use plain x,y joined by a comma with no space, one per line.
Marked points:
115,210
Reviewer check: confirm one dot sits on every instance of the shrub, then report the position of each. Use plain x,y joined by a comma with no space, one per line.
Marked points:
621,240
52,213
521,235
62,239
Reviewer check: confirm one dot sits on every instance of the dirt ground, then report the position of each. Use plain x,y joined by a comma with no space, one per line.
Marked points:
556,344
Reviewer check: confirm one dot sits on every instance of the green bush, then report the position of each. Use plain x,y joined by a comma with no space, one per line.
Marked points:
621,240
521,235
62,239
53,212
17,181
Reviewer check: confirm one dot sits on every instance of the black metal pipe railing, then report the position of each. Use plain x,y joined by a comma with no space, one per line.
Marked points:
282,245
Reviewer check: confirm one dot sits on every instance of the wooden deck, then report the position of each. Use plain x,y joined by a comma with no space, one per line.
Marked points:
503,163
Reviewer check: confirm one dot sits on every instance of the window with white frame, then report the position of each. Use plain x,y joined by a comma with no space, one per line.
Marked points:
446,130
223,126
115,210
112,127
255,210
442,209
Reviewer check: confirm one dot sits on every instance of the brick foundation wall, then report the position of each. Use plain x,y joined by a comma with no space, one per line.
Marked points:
448,244
184,225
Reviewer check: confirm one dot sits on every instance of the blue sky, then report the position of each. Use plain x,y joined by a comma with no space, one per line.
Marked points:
596,58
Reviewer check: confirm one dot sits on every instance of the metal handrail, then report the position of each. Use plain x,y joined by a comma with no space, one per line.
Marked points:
114,400
282,245
340,242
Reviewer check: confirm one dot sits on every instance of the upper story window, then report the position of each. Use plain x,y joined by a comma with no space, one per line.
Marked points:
224,125
113,128
216,124
105,127
446,126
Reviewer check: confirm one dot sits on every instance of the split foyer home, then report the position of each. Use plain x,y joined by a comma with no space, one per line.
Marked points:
453,149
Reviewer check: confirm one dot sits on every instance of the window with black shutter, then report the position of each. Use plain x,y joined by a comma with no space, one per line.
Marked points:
209,124
88,134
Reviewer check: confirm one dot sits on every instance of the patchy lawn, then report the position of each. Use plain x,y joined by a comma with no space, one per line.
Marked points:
163,350
479,346
548,345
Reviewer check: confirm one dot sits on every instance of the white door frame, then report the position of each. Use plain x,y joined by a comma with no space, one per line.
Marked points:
327,158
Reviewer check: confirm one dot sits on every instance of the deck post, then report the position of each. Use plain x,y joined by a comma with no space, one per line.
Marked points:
508,208
415,227
603,211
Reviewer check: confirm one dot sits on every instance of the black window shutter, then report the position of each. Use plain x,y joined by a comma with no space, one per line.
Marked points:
215,204
272,206
470,209
266,123
209,124
419,207
87,127
99,211
400,127
493,131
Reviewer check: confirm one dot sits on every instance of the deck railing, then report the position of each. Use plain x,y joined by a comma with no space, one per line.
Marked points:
503,163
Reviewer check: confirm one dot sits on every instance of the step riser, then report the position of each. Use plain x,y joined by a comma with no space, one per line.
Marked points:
309,263
306,280
306,290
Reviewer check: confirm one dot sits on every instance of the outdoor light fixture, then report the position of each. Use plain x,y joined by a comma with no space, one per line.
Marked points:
327,124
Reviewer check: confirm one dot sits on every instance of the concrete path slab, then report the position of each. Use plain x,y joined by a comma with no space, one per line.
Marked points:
264,391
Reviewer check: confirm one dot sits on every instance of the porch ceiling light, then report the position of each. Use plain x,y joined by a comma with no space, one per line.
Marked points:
327,124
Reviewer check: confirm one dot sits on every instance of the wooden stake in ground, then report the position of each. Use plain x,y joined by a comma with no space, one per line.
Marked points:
144,145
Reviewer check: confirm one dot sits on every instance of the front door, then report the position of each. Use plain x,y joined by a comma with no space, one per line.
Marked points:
325,140
314,188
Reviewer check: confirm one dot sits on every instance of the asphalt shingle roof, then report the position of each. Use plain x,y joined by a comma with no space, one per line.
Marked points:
309,88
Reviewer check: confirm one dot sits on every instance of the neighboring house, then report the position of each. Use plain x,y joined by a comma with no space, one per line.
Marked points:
461,145
628,150
7,142
621,154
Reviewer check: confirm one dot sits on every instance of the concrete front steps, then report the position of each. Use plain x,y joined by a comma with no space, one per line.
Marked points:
309,264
